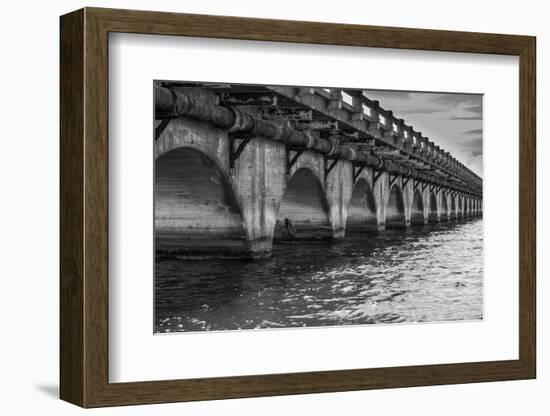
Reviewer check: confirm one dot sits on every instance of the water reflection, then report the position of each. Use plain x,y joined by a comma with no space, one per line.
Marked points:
426,274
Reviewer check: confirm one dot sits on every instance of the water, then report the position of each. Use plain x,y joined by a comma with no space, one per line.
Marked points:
427,274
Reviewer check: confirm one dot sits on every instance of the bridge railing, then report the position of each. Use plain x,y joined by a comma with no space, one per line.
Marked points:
368,116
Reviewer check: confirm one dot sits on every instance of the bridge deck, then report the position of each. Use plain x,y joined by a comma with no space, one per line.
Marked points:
349,118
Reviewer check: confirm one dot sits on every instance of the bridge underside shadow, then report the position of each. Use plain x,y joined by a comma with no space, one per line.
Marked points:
454,212
303,213
196,211
432,213
395,209
362,209
417,209
444,209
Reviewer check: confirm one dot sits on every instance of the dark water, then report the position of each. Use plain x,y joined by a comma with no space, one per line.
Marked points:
427,274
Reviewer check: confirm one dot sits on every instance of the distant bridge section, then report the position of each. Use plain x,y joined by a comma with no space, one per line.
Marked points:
236,164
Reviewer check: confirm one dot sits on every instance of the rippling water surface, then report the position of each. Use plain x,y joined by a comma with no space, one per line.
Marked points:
427,274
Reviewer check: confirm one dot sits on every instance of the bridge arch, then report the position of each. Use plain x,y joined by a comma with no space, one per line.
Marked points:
395,208
196,207
417,209
182,132
305,205
432,208
362,211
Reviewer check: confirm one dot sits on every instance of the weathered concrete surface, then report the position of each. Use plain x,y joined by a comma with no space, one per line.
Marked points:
304,204
417,213
196,210
260,178
362,212
203,206
395,208
339,189
444,207
433,211
381,193
453,211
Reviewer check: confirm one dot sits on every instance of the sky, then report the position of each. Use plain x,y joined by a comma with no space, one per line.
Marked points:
450,120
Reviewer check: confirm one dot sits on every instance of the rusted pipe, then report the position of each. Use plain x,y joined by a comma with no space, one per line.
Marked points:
169,103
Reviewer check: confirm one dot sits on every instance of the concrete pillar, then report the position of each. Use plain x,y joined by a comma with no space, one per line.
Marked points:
408,196
453,207
260,179
339,188
443,206
381,192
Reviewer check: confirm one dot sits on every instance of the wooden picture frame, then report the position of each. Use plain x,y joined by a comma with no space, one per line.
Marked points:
84,207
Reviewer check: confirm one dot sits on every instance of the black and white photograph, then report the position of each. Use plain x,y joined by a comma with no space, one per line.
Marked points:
275,208
310,206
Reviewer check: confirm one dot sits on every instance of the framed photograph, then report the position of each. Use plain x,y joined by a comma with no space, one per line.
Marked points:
256,207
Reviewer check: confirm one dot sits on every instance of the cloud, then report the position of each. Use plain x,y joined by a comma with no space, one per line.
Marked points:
457,100
474,131
451,120
454,103
474,109
465,118
472,146
422,110
401,95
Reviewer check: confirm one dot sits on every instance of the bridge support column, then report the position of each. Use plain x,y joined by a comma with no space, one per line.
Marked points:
260,178
381,194
408,197
380,190
339,188
445,206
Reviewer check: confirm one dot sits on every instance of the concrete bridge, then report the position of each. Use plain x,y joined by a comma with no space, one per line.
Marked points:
234,161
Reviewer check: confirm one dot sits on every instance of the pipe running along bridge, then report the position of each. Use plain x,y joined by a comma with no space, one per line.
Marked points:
234,162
